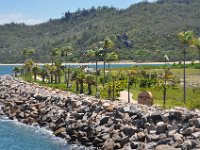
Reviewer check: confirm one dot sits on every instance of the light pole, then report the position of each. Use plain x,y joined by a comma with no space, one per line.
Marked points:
165,90
184,78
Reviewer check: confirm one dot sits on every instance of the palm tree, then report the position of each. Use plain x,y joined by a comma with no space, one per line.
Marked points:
78,76
108,45
52,71
66,51
196,43
27,52
113,86
96,53
80,80
29,65
36,70
22,70
55,58
46,72
16,71
55,53
43,73
111,57
74,78
90,80
185,39
58,72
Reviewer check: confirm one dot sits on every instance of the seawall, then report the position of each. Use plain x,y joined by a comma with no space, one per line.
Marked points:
99,123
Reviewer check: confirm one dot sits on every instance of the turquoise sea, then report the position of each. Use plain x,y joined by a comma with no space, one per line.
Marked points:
8,68
16,136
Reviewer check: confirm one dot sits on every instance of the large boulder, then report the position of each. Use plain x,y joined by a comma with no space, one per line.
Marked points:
145,98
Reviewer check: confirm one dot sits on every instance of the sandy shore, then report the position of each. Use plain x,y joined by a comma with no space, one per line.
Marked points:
120,62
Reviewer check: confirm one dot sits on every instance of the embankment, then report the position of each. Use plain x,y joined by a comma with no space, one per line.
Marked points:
99,123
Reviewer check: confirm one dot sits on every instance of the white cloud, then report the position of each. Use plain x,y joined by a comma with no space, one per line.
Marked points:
18,18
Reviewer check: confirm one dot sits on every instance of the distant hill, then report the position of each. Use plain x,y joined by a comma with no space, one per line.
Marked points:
142,32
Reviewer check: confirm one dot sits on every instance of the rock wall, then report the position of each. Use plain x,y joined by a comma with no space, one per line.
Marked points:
99,123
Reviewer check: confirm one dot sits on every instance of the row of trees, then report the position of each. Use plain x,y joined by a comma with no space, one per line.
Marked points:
53,73
102,51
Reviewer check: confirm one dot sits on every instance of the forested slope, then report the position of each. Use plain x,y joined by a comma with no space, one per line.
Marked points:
142,32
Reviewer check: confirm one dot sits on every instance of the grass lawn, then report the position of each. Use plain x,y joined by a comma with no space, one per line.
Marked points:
174,94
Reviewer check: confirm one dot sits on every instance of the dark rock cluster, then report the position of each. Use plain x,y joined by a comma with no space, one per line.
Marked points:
99,124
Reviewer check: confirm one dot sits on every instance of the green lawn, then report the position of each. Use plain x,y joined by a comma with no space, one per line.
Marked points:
174,94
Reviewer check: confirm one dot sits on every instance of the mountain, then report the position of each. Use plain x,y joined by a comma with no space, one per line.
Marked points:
143,32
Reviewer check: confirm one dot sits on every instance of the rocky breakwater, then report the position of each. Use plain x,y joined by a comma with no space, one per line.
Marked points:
99,123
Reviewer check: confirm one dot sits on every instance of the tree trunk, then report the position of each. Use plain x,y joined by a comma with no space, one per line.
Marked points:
81,87
15,74
96,79
51,78
104,72
43,78
113,96
68,71
56,81
109,68
77,87
59,78
35,76
199,56
65,73
89,89
109,91
129,91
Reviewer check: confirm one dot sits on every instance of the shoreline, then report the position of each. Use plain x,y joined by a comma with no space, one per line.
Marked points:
98,123
101,63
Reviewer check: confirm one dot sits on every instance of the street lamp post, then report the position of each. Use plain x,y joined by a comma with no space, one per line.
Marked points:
165,81
184,76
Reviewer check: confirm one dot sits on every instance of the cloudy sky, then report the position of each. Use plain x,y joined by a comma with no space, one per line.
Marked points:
37,11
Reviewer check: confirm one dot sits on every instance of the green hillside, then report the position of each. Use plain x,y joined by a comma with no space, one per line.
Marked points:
142,32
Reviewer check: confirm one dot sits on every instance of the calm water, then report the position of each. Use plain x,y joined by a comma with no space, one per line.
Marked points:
8,69
16,136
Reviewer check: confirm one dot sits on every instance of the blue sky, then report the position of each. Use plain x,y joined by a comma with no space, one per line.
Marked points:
37,11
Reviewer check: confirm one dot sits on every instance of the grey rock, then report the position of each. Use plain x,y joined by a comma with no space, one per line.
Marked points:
109,144
129,131
117,146
141,136
104,120
196,134
187,145
165,147
79,115
161,127
177,138
126,109
116,137
124,141
188,131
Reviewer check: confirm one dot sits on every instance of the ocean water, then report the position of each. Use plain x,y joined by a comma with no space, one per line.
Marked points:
8,69
16,136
